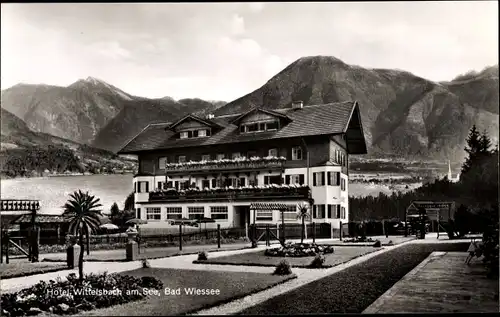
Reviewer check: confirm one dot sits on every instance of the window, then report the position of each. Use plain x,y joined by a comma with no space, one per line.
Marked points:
138,213
242,182
174,213
184,135
333,178
169,184
319,211
162,162
214,182
334,211
232,181
205,157
294,179
296,153
205,183
264,215
196,212
243,128
160,185
319,179
184,185
236,155
220,156
182,159
272,126
219,213
142,187
202,133
342,184
153,213
290,213
273,152
272,179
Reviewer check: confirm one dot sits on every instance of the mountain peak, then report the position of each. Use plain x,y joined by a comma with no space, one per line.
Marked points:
94,80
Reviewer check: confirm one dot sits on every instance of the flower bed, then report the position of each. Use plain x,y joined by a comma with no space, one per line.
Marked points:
70,296
358,240
298,250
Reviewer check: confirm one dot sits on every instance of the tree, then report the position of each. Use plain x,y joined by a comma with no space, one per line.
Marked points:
472,148
303,213
484,143
84,218
115,215
129,202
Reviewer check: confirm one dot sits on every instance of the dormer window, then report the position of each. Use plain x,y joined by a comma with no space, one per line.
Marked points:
259,126
194,134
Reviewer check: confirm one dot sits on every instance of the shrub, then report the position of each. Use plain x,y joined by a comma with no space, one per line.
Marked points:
202,256
283,268
390,242
318,261
377,244
145,264
62,297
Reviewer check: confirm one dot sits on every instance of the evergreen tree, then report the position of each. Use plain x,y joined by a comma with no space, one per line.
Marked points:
472,148
115,216
484,143
129,202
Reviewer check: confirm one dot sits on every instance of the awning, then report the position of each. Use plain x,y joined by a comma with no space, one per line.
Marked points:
268,206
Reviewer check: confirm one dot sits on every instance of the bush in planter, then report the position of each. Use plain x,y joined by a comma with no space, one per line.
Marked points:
283,268
377,244
202,256
318,261
145,264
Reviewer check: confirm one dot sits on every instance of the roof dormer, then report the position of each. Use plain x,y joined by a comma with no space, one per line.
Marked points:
192,126
260,120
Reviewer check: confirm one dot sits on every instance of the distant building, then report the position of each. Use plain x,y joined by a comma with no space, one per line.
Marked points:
246,167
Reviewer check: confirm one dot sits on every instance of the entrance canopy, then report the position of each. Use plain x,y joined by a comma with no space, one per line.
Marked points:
268,206
435,210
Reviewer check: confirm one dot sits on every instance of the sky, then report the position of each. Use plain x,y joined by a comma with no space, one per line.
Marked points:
222,51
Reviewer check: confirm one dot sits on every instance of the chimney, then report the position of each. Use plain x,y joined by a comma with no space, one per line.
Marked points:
297,104
210,116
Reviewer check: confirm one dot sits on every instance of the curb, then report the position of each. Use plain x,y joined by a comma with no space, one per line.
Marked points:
64,268
377,304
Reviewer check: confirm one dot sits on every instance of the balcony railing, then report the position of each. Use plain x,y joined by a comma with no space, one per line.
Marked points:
227,164
243,193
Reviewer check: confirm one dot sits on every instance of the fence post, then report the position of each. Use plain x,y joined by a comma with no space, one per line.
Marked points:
2,246
7,248
278,230
36,244
218,235
180,237
246,230
305,230
268,243
340,232
331,231
314,231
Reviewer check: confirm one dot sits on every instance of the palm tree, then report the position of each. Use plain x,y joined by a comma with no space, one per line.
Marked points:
303,213
84,218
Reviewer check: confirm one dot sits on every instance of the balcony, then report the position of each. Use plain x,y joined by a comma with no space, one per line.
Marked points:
229,193
238,164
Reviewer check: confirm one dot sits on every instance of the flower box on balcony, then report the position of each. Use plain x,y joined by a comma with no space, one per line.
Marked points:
238,163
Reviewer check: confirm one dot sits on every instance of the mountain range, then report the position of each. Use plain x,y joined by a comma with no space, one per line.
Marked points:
403,114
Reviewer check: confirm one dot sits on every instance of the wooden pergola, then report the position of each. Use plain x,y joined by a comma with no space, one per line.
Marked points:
435,210
14,209
269,207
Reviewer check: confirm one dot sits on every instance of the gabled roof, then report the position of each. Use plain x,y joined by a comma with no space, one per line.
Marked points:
325,119
257,109
196,118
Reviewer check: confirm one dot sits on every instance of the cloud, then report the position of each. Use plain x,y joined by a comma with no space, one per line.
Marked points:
111,50
237,25
256,6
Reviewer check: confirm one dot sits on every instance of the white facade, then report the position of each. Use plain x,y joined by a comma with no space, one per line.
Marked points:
333,198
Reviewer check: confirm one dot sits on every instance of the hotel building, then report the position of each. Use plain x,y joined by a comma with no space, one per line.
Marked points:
228,167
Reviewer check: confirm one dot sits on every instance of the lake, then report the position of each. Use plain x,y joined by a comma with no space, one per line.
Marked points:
53,192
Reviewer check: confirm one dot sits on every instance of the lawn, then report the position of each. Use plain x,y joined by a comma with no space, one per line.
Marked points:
145,253
340,255
352,290
231,285
20,268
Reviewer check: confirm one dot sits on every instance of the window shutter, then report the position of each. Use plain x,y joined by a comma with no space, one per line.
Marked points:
159,185
323,178
338,211
329,211
266,180
337,176
314,179
177,185
138,213
301,179
315,207
329,178
147,187
242,182
135,187
287,179
214,182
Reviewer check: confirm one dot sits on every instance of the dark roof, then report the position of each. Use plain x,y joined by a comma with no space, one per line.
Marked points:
194,117
326,119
